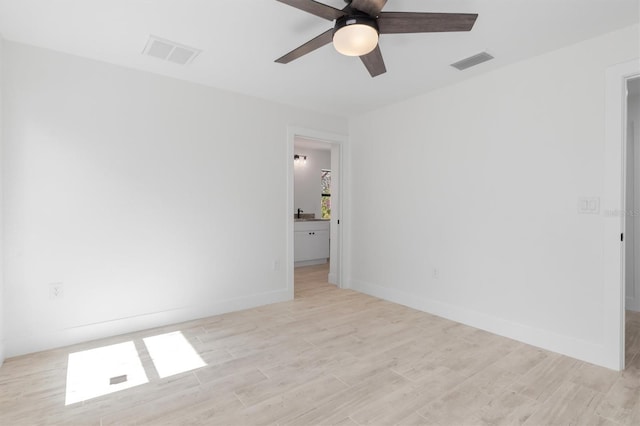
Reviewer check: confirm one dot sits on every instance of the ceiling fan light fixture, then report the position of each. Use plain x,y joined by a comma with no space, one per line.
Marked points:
355,35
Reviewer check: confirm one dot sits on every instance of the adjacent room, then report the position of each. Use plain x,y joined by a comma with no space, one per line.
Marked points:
308,212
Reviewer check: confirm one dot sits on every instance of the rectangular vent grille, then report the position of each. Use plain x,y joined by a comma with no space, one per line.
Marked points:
170,51
472,61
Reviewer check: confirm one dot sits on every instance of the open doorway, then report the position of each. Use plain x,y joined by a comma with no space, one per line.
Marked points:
612,353
315,210
632,225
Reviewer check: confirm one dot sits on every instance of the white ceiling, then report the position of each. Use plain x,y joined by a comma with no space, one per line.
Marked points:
240,40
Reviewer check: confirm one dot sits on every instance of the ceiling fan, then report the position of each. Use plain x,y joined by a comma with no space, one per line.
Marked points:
360,22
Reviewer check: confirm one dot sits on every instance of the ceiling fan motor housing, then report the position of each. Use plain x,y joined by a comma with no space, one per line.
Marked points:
355,20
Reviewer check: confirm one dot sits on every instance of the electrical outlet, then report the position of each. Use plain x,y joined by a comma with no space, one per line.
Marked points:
56,290
589,205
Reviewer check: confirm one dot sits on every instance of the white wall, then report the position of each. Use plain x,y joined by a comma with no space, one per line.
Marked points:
1,210
632,223
480,181
151,199
307,186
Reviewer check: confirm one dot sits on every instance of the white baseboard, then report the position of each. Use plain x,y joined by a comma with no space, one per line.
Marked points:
566,345
310,262
15,346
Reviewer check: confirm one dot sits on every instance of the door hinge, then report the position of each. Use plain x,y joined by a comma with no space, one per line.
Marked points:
621,237
338,221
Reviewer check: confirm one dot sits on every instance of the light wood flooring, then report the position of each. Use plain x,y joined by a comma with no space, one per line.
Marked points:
336,357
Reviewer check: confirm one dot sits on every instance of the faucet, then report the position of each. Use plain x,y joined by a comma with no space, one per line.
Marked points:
300,211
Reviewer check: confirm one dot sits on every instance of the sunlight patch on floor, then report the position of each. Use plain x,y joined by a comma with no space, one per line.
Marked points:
172,354
91,373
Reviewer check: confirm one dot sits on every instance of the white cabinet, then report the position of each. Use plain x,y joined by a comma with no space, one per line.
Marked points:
311,241
311,245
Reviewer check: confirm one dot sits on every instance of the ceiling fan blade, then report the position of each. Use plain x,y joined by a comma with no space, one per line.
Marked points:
315,8
372,7
409,22
374,62
313,44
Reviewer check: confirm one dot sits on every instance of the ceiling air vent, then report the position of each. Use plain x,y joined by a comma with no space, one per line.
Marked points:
170,50
472,61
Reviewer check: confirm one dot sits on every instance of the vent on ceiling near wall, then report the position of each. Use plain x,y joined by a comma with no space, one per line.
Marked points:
170,50
472,61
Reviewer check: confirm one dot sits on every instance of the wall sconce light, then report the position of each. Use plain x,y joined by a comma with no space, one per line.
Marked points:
297,158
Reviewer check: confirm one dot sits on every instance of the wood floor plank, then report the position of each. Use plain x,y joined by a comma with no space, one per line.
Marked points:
462,405
622,402
343,403
508,408
545,378
570,404
401,405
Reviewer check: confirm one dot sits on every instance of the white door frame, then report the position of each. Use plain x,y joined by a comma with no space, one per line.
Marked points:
614,210
341,142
